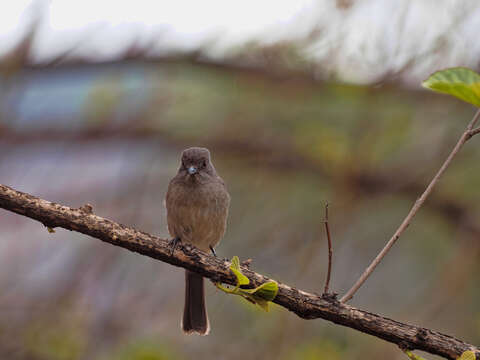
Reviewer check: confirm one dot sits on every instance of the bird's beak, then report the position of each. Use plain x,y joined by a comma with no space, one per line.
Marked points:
192,170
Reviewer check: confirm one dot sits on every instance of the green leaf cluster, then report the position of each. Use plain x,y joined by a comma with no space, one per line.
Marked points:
260,295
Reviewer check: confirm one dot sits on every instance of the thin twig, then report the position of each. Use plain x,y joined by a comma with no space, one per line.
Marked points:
418,204
329,240
474,131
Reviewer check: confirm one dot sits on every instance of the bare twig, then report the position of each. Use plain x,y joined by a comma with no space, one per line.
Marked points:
304,304
329,240
418,204
474,131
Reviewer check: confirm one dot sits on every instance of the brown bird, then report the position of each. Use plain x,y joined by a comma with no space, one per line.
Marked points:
197,204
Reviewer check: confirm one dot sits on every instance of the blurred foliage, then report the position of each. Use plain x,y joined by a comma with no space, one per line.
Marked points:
316,349
142,350
111,135
58,336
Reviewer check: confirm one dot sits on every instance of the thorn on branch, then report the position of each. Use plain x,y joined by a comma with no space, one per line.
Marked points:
332,297
422,334
404,346
246,263
50,227
87,209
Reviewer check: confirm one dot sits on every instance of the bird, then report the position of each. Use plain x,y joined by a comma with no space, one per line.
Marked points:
197,203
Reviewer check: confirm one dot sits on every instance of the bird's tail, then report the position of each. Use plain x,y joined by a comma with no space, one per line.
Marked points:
195,319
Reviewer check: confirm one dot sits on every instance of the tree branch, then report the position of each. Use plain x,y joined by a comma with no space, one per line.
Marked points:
413,211
305,305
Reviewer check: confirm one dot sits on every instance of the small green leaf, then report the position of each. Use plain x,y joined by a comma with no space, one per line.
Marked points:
261,295
235,267
460,82
235,263
262,303
242,279
412,356
266,291
467,355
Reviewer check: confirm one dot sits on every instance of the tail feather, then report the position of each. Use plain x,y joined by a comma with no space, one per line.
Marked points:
195,319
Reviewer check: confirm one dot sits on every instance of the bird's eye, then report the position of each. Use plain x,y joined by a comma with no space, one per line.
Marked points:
204,163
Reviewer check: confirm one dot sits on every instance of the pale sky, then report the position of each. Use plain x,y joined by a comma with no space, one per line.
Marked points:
357,44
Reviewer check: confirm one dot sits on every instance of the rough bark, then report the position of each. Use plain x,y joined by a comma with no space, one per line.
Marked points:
304,304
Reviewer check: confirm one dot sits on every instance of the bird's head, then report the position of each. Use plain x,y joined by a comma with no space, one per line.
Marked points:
196,163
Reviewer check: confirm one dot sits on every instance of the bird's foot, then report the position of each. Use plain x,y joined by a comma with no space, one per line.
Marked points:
213,251
173,243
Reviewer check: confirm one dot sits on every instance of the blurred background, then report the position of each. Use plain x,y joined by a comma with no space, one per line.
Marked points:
301,103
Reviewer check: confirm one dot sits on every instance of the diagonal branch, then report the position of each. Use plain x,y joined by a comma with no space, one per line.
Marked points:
469,132
305,305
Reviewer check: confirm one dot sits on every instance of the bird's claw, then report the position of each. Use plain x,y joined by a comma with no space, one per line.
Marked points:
173,243
213,251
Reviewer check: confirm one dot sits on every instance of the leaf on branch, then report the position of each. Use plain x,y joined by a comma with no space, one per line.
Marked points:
460,82
235,267
412,356
261,295
467,355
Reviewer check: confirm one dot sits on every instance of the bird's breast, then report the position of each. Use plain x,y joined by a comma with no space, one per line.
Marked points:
197,214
